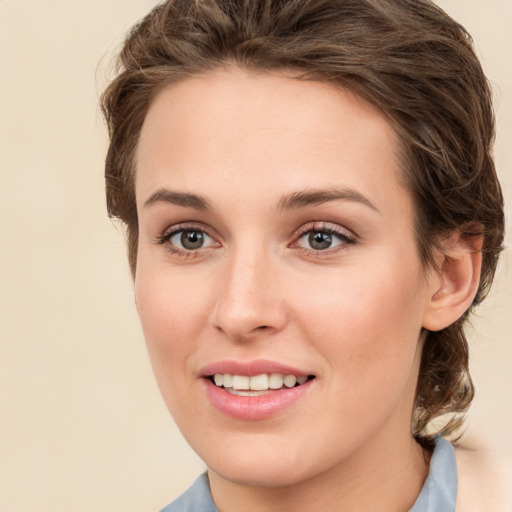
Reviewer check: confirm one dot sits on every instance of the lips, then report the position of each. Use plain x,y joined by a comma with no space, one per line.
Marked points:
254,390
257,383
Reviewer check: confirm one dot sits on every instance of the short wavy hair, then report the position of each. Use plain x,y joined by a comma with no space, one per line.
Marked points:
408,58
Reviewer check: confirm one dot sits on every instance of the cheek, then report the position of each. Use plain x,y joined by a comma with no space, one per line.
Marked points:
172,314
370,344
367,323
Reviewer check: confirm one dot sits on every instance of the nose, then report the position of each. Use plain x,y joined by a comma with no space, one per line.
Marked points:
249,301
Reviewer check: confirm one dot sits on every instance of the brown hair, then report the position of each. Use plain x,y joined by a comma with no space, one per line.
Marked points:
406,57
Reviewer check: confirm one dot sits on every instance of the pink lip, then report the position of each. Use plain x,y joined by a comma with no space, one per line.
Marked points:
250,368
253,408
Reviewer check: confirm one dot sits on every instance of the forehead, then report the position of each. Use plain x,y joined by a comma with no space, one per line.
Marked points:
265,133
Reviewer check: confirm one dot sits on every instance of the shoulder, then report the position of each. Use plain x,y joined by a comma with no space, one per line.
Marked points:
196,498
484,481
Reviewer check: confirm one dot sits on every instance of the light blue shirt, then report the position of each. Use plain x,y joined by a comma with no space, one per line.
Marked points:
439,492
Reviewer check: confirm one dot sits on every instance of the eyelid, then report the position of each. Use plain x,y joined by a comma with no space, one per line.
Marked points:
171,231
325,226
345,236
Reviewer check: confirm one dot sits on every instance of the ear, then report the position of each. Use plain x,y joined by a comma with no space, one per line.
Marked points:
454,284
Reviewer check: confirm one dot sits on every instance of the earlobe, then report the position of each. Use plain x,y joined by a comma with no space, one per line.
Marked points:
454,284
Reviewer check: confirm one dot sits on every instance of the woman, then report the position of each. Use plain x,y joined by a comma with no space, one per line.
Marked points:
311,210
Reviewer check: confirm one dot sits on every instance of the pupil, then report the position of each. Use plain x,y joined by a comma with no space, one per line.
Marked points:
320,240
192,239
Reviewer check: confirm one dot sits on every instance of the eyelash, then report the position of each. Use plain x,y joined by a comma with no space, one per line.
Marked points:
166,237
344,238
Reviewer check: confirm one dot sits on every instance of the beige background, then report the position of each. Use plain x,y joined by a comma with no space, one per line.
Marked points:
82,427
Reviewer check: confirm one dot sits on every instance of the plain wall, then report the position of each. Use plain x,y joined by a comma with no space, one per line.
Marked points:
82,426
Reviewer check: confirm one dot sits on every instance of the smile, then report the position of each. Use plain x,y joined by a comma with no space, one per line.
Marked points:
255,390
257,385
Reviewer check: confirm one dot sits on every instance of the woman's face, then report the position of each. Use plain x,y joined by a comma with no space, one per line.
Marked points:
276,240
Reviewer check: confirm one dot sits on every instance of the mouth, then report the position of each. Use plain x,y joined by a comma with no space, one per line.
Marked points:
256,390
257,385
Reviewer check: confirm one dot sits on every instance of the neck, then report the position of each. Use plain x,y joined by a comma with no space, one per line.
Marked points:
380,476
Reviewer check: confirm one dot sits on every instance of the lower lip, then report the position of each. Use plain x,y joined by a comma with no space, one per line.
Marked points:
255,407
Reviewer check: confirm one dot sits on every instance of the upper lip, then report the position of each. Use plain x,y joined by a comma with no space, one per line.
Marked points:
250,368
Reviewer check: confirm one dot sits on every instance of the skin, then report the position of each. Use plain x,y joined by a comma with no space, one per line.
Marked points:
352,315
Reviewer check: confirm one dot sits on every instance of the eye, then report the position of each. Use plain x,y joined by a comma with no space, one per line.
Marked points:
323,238
319,240
189,239
186,240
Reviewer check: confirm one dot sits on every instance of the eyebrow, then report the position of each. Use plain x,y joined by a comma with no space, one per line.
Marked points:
178,198
312,197
293,201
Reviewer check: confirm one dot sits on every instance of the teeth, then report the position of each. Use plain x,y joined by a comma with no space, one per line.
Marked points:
246,393
290,381
241,382
256,383
275,381
259,382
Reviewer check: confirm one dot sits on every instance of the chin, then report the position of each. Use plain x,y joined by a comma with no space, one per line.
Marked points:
267,475
261,460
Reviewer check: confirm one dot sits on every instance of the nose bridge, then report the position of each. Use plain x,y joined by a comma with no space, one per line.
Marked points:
247,301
